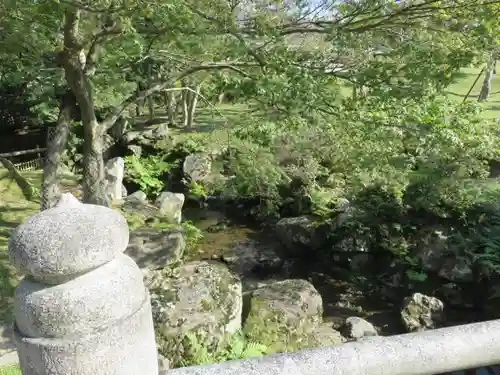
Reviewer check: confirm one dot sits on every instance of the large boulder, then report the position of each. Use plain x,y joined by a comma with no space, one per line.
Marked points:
154,248
299,235
436,254
198,167
170,205
146,134
432,248
250,257
138,195
134,205
287,316
421,312
198,298
356,328
114,171
456,269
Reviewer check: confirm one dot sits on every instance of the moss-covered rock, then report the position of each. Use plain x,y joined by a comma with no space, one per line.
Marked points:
197,298
300,234
286,316
156,248
324,335
421,312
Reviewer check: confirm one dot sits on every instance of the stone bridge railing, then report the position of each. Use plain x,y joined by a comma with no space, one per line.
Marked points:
83,309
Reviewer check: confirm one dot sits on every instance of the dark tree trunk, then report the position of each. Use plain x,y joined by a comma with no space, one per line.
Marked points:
55,148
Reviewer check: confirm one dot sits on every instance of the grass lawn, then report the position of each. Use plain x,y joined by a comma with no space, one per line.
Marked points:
10,370
14,209
462,85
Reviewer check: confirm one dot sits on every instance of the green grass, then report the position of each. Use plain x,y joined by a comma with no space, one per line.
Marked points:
10,370
463,83
14,209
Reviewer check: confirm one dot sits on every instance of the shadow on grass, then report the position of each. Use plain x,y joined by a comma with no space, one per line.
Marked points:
493,107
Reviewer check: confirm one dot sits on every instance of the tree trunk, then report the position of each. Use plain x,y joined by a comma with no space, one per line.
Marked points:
78,80
170,106
193,102
488,78
140,103
55,149
151,108
185,106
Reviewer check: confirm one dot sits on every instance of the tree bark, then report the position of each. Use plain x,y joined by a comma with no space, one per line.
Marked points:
185,106
78,80
170,106
193,102
151,108
488,78
56,146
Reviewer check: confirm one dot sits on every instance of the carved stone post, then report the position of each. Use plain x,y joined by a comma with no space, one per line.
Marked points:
82,308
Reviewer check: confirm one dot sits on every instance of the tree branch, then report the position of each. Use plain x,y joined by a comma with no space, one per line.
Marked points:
88,8
141,95
97,40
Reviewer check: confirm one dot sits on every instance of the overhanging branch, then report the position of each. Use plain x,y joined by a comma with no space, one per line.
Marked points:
236,67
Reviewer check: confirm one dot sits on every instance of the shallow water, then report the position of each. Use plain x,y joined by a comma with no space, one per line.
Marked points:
341,298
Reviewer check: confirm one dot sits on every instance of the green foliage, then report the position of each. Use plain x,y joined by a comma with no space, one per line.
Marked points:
477,239
147,172
194,235
236,346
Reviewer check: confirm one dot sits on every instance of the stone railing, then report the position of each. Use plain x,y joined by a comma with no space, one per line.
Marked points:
83,309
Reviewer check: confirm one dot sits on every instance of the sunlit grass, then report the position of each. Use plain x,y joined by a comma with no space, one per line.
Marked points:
10,370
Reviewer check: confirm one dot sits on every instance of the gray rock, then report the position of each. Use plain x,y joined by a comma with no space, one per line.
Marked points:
357,328
291,307
114,172
452,294
456,269
170,205
250,257
299,234
163,363
360,261
432,248
135,149
421,312
138,207
198,167
201,298
138,195
61,243
154,249
352,245
324,336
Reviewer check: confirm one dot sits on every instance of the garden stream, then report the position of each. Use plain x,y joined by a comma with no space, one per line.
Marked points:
247,246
